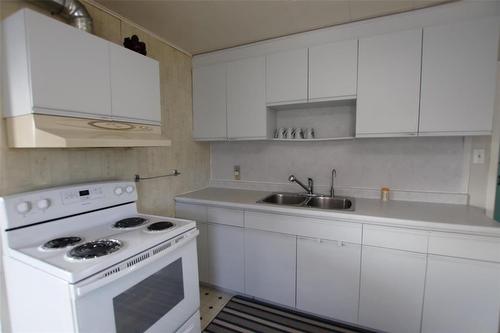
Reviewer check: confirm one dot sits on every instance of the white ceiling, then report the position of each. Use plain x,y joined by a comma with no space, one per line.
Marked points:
207,25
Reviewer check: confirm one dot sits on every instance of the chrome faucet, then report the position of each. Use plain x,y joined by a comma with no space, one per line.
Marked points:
310,184
332,191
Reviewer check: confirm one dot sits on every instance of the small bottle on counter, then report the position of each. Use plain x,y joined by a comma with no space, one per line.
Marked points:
384,193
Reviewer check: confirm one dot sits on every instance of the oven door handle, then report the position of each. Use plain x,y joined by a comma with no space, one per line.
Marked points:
101,280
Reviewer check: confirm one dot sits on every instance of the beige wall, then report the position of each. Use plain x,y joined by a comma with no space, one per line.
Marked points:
26,169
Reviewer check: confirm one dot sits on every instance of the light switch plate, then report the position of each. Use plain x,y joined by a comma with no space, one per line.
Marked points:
236,171
478,156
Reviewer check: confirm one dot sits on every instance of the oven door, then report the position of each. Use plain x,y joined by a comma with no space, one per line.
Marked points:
157,295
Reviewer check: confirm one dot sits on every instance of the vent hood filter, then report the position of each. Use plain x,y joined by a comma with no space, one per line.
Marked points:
43,131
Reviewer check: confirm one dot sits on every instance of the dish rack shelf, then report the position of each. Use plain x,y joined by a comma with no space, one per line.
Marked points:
334,120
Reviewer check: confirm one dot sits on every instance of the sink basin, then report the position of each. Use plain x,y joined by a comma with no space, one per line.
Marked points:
291,199
330,203
307,201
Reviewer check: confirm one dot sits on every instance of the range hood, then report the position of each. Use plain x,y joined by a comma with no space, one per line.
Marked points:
44,131
66,88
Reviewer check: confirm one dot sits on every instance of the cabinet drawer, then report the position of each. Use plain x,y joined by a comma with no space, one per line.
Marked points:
225,216
465,246
396,238
191,212
304,226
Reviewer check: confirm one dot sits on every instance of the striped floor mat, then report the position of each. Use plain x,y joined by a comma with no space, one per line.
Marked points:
246,315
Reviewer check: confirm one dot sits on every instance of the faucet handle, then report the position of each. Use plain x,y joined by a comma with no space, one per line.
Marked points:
310,184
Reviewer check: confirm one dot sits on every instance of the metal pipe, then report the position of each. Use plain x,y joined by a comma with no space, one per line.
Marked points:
72,10
332,190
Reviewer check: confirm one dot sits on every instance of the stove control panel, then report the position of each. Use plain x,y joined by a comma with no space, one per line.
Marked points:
23,207
118,190
37,206
43,204
82,194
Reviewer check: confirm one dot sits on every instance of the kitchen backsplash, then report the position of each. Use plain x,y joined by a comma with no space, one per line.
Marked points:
421,169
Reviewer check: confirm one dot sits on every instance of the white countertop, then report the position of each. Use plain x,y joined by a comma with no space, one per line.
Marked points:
420,215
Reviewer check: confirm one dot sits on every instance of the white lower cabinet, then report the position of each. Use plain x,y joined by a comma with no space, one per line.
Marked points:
328,278
270,266
197,213
392,289
461,295
202,247
225,253
380,284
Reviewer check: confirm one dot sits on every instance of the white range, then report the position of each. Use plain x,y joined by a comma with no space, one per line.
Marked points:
82,259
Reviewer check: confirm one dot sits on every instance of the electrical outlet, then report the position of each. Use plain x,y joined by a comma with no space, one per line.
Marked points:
478,156
237,174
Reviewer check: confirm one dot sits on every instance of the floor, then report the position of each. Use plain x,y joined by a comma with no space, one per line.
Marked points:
212,301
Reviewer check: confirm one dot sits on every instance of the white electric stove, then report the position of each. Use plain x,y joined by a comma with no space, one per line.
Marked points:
82,259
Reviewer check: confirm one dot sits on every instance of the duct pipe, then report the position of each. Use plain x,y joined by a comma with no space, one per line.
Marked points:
72,10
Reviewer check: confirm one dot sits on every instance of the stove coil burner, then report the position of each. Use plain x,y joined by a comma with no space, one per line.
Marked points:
160,226
130,222
60,243
94,249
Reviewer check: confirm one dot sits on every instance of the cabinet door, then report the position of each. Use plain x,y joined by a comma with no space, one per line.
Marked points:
392,289
202,247
270,266
458,77
209,102
333,70
246,99
135,85
328,278
197,213
461,295
69,68
286,74
389,84
225,257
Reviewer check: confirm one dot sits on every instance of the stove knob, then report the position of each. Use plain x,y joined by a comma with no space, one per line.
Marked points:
129,189
23,207
43,204
118,190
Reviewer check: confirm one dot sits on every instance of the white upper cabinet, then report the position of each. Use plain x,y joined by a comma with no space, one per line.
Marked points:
246,99
410,74
286,74
209,102
333,70
389,84
458,77
54,68
135,85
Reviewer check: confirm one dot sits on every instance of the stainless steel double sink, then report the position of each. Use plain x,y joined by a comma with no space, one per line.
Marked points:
309,201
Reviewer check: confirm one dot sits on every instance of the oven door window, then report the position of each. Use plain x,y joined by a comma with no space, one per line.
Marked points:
142,305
